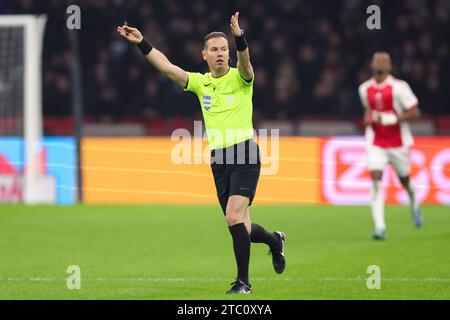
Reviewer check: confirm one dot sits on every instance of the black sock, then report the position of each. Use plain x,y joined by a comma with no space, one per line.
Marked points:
261,235
241,245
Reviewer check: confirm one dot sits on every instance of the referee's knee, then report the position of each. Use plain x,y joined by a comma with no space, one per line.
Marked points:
234,216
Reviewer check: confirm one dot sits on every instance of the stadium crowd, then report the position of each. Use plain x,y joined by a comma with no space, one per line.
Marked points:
309,56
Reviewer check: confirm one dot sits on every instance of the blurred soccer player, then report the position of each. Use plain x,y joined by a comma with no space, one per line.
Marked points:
225,95
390,104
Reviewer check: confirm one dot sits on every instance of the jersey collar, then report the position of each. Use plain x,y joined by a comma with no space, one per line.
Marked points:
384,83
229,68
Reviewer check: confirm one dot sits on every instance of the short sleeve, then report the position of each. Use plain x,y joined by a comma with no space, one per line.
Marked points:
245,82
363,96
406,96
194,81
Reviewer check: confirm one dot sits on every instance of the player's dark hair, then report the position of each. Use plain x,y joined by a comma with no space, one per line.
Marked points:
215,34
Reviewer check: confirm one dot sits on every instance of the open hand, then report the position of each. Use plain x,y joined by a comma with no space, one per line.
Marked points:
132,34
236,31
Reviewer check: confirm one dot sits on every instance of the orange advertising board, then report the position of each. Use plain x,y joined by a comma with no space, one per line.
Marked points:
162,170
295,170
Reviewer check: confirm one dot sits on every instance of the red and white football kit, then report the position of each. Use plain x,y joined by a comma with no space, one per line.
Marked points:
388,141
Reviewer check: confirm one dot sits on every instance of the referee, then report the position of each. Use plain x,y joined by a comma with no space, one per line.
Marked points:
225,95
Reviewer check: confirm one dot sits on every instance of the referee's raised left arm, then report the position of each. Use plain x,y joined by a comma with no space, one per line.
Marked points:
154,56
244,65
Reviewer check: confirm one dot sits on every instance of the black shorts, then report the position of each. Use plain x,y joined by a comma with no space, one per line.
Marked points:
236,171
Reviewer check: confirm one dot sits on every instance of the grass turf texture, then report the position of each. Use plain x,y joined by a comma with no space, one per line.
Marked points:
185,252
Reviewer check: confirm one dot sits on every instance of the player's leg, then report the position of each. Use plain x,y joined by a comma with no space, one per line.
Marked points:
275,241
400,160
244,181
242,185
414,203
377,205
377,159
236,212
233,210
260,235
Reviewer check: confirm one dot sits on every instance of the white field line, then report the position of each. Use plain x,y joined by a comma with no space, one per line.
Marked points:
187,280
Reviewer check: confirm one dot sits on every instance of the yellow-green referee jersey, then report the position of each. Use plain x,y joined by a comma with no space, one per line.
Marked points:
227,106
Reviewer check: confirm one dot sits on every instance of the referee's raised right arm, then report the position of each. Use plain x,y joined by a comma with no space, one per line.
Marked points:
154,56
244,65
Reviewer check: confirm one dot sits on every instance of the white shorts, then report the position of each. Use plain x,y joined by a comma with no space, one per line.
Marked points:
378,158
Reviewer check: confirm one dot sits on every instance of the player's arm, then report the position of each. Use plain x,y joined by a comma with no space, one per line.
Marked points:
410,106
173,72
243,54
410,114
409,102
391,118
154,56
369,116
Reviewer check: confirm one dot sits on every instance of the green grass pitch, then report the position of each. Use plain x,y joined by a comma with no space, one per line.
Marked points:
185,252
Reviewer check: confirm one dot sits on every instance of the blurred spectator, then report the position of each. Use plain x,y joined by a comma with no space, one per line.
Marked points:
309,56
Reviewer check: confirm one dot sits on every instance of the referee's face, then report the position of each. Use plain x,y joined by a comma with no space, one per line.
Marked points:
216,53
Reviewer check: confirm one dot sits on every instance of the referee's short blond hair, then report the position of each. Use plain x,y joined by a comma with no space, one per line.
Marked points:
215,34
